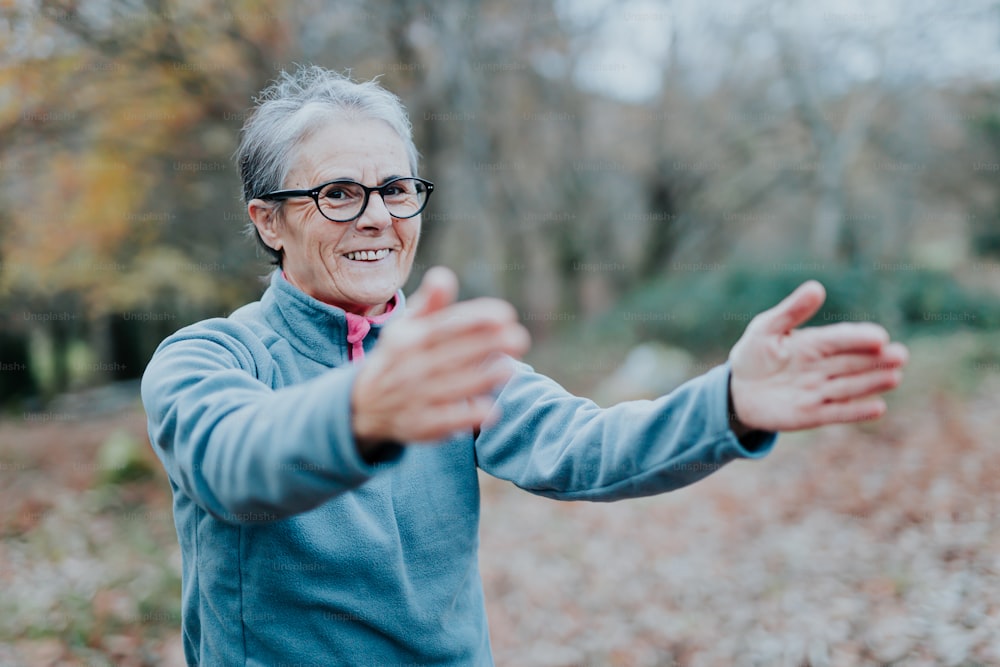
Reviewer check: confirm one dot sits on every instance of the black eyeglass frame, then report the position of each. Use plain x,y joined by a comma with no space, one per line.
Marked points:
313,193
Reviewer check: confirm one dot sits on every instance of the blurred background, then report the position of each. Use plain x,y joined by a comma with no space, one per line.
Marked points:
638,178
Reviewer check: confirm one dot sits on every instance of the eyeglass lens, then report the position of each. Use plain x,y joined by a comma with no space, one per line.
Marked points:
343,201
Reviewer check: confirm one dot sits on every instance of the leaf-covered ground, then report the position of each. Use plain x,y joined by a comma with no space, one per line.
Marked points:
866,546
847,546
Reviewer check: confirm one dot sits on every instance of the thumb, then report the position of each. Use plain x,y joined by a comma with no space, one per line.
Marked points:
794,309
438,289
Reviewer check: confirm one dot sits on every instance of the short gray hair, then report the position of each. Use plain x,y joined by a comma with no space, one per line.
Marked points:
291,109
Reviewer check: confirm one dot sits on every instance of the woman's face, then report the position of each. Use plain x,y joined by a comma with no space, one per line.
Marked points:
319,254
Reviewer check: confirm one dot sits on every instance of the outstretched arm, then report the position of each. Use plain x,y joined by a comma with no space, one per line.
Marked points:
552,443
779,378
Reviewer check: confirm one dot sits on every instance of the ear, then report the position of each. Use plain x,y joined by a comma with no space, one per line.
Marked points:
265,218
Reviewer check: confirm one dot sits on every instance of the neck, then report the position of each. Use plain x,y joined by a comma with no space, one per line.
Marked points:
361,309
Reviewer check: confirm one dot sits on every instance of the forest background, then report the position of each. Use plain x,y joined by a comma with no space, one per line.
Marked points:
638,178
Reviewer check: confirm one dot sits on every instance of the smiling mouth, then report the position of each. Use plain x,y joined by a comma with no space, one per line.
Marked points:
368,255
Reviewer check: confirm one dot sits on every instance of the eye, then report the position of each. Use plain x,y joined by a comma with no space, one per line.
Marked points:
339,194
399,188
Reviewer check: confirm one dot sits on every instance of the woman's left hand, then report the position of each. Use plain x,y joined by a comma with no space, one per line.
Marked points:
786,379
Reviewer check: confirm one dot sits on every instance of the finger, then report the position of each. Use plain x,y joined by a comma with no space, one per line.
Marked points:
446,419
467,382
427,351
848,412
794,309
479,316
470,316
844,337
438,289
896,352
859,385
892,356
472,351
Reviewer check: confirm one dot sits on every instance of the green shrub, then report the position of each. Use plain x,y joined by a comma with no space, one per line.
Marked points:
122,458
707,311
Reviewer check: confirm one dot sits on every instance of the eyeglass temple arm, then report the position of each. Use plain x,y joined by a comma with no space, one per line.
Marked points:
285,194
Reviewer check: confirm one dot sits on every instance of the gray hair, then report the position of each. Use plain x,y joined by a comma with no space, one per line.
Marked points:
290,110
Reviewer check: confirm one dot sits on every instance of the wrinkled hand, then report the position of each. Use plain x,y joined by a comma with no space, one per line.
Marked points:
786,379
433,370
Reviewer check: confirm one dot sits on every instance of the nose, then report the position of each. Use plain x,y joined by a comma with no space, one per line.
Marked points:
376,216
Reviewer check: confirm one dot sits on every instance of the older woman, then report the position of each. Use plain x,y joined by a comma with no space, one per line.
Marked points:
325,486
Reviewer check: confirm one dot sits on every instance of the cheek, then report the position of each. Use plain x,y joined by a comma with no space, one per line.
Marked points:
328,243
411,236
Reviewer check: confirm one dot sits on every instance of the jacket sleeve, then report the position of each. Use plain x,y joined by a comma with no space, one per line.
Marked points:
238,448
555,444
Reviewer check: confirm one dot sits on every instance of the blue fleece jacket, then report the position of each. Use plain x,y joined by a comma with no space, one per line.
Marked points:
296,551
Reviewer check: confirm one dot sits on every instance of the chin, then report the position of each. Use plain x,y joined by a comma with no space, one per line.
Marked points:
371,298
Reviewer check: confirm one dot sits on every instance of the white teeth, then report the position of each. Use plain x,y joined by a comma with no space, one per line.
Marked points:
368,255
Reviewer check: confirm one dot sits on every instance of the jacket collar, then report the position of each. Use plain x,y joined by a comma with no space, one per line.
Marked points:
314,329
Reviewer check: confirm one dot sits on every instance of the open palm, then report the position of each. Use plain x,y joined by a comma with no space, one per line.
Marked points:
786,379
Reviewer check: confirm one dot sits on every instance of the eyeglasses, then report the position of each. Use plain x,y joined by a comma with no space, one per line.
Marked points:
345,200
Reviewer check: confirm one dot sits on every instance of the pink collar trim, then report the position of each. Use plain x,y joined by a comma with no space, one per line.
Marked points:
358,327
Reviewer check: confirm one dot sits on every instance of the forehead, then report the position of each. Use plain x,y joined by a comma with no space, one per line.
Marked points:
351,147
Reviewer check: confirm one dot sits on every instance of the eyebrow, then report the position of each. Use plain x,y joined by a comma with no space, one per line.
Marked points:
383,182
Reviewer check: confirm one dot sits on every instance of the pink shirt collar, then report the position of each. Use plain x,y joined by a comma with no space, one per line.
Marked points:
358,327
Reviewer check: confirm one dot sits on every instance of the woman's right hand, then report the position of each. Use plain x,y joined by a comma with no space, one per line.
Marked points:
434,370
